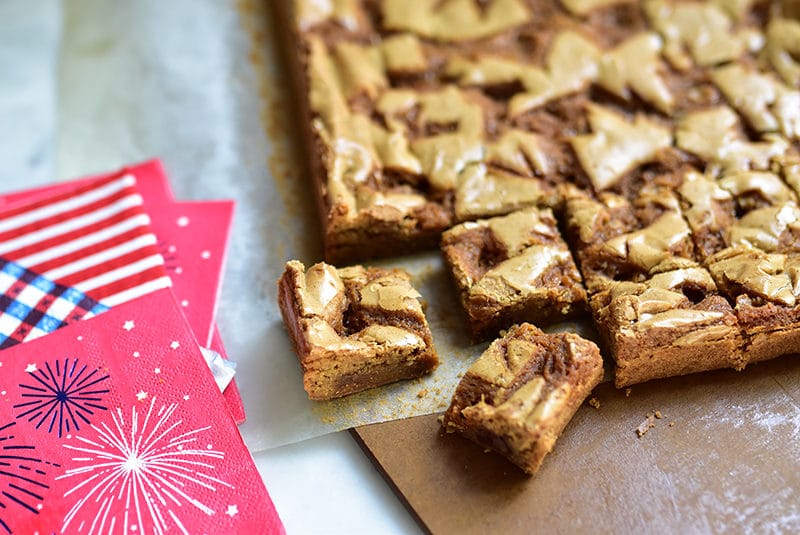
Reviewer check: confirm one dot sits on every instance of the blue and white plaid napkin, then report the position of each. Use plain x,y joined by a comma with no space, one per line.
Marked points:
32,306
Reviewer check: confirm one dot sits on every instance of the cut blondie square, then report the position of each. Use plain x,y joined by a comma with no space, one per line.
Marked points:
765,288
617,239
354,328
519,395
512,269
674,323
746,225
658,310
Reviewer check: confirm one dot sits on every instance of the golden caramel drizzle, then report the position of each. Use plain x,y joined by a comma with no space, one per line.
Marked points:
359,69
768,186
765,102
571,66
782,47
322,301
648,247
391,293
445,156
714,135
584,7
762,274
321,291
573,63
702,194
763,228
660,303
616,145
520,275
521,229
454,20
703,29
403,53
484,192
500,367
309,13
518,151
635,64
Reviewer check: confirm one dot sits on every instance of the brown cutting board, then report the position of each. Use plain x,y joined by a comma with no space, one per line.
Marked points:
725,456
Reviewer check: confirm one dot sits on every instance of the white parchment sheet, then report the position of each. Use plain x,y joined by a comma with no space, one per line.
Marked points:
89,85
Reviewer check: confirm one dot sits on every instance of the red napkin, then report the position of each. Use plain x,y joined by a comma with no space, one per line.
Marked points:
114,425
95,238
192,237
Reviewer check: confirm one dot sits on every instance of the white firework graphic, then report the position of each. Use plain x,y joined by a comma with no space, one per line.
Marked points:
139,473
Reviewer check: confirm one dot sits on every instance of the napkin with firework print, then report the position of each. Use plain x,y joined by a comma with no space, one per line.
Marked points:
192,237
114,425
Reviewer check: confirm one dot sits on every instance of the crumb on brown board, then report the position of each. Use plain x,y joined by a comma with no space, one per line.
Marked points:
646,425
628,392
594,402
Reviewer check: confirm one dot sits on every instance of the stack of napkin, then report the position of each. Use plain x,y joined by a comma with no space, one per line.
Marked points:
118,408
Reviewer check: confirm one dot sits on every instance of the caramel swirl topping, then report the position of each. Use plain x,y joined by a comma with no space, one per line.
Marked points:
616,145
454,20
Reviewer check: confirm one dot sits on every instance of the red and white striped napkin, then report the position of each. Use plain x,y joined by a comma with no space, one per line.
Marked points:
95,238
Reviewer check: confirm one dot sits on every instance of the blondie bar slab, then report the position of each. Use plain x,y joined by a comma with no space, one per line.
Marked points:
666,133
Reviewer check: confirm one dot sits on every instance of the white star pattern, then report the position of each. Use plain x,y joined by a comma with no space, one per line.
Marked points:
135,353
128,325
232,510
184,303
30,368
205,255
174,345
186,398
157,370
183,221
141,396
